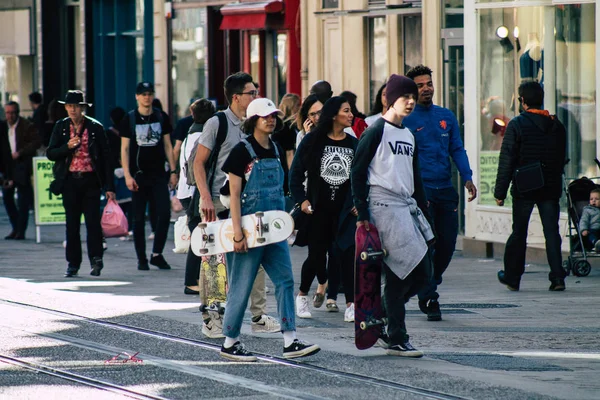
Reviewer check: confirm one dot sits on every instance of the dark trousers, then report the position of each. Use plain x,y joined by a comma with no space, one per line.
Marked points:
192,262
319,245
443,208
341,270
82,196
154,191
18,213
516,246
396,294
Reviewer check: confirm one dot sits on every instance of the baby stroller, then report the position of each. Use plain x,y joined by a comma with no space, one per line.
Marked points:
578,196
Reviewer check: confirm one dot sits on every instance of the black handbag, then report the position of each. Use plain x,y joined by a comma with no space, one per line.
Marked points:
301,221
529,177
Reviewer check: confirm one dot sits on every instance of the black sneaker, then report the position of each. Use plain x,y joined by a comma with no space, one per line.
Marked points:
300,349
423,306
97,266
143,265
71,271
510,286
404,350
557,285
384,340
433,311
237,352
160,262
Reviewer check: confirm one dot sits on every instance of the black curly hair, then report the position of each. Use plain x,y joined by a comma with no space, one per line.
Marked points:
418,71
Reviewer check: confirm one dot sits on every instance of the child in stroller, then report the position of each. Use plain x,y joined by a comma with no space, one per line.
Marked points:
589,223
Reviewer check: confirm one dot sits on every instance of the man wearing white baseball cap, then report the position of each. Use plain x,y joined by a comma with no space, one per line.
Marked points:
256,171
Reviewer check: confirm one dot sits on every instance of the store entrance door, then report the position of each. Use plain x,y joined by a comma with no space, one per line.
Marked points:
454,89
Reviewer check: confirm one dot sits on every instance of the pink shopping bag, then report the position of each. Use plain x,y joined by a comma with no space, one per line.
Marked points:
114,221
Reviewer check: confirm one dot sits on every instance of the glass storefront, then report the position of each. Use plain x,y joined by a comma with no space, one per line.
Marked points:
554,45
189,71
378,55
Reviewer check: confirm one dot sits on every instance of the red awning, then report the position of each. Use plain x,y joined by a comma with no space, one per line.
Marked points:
249,15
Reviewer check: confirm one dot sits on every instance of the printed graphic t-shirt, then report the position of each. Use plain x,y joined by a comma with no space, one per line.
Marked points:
146,148
336,163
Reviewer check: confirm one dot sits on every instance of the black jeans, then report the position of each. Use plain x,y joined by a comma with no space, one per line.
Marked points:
82,196
18,213
396,294
341,269
192,262
516,246
319,245
153,190
443,208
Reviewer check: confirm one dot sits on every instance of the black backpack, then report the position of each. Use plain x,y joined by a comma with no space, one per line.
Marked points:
211,163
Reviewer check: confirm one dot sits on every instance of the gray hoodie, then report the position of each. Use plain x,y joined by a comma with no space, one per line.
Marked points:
590,219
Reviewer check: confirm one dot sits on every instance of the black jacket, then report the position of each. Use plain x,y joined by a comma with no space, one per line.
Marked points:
530,138
6,164
59,152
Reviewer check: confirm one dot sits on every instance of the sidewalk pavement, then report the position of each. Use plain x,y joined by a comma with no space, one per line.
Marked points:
546,342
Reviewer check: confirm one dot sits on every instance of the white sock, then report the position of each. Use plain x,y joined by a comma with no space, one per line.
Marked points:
230,341
288,338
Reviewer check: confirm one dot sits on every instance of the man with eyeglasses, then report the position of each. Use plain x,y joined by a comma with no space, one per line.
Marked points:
239,91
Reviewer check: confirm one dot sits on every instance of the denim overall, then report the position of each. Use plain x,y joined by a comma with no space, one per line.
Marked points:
263,192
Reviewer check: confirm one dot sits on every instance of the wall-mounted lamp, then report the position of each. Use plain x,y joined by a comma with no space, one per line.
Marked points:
502,33
499,126
517,41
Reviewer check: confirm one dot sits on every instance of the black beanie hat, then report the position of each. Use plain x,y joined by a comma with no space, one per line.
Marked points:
398,86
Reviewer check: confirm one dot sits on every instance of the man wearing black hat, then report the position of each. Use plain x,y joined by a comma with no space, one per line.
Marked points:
82,168
388,192
145,148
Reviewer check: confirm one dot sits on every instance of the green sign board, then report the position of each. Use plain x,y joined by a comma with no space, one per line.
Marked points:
488,168
49,208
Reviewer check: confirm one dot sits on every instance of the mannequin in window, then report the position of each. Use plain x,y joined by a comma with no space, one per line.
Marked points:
531,59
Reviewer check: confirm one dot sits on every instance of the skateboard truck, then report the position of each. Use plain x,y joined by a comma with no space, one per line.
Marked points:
205,237
371,322
214,307
260,227
373,255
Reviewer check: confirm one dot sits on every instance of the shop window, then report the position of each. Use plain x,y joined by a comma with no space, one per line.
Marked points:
189,73
330,4
413,54
255,57
555,46
378,55
282,65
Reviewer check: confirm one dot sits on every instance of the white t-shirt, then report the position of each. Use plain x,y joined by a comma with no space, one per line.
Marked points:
372,118
183,189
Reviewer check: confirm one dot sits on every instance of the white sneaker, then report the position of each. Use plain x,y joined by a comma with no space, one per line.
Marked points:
302,307
266,324
213,328
151,236
349,314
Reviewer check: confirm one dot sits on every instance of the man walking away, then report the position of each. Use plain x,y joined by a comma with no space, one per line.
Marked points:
145,147
23,140
533,159
438,139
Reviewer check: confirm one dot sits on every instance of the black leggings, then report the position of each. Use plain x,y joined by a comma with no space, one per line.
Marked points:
341,269
320,237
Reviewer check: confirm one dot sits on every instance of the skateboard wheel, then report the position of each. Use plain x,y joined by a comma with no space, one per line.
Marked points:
202,225
203,251
384,320
363,326
222,310
261,240
259,214
385,253
364,255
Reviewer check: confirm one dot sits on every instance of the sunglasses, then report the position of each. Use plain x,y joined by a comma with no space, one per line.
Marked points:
252,93
314,114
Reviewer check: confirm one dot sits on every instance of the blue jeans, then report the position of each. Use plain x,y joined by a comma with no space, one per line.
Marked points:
263,192
241,272
443,209
516,245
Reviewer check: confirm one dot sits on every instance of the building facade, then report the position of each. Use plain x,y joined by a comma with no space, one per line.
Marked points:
509,42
